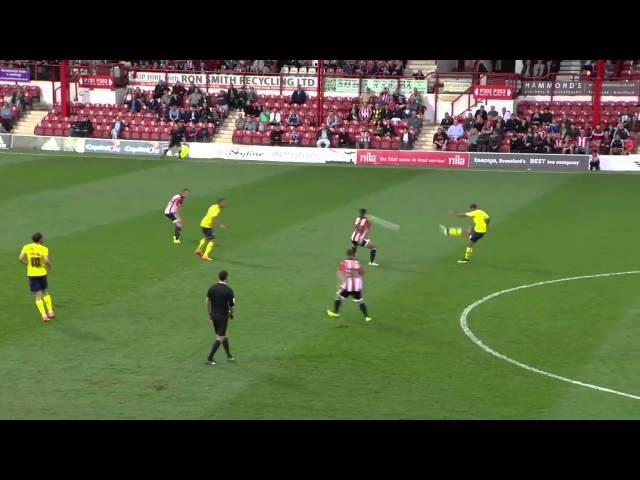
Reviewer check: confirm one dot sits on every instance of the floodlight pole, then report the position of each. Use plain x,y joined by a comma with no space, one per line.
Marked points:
64,88
320,94
597,91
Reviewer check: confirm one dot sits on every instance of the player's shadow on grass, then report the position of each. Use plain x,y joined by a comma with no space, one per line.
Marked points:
74,332
254,265
511,268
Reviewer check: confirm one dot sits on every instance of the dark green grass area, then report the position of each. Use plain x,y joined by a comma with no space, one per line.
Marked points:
132,335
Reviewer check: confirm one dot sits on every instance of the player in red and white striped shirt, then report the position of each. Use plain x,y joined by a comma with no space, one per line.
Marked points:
172,212
350,283
360,236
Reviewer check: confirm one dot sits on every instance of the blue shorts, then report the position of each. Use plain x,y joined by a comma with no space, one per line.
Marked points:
208,233
38,283
475,236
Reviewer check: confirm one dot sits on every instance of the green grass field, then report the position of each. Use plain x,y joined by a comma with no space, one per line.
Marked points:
131,337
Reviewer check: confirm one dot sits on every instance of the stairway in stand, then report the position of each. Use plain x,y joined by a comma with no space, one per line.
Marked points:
425,139
28,122
225,133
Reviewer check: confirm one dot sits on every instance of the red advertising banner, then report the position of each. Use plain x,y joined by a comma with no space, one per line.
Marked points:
497,92
413,158
96,81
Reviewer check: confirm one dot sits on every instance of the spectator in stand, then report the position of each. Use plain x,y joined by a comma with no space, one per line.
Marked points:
196,98
159,89
387,113
617,146
546,117
366,96
455,131
524,126
415,122
134,105
510,125
214,116
364,139
263,120
166,98
240,122
294,119
419,100
540,69
517,143
379,129
7,117
299,96
193,115
484,138
252,96
554,127
494,141
155,105
175,101
233,97
250,109
527,69
323,137
184,115
604,146
243,97
635,123
295,137
594,161
447,120
621,131
568,146
625,118
582,144
399,99
482,112
343,138
468,122
385,96
492,113
223,102
473,139
418,75
276,136
406,140
440,139
192,88
365,112
257,66
251,124
179,90
353,114
377,113
334,120
405,113
506,115
274,117
536,118
129,96
174,114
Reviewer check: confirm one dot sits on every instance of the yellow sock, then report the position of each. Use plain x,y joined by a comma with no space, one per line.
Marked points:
467,253
48,303
201,244
209,249
455,232
40,305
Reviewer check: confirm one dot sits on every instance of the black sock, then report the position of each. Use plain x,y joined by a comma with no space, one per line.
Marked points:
372,255
225,344
336,305
214,349
178,230
363,308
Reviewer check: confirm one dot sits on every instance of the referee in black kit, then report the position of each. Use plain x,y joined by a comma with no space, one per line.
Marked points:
220,303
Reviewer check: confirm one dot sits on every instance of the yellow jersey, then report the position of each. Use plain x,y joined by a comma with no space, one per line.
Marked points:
209,219
480,219
36,254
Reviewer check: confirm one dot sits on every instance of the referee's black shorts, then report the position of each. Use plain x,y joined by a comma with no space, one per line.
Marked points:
220,324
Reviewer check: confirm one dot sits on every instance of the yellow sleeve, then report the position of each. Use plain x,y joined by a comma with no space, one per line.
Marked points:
470,214
24,250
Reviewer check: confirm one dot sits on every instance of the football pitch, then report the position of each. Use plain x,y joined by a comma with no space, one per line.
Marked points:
132,335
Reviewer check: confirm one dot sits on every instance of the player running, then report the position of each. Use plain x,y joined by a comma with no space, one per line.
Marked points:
36,257
360,236
172,212
350,283
207,224
480,226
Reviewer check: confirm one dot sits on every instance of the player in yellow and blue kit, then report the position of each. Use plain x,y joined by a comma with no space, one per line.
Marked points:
36,257
207,224
480,226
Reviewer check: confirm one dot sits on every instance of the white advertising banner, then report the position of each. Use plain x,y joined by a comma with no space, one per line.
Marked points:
272,154
620,163
264,84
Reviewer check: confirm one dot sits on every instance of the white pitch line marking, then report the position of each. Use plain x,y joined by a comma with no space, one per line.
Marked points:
465,327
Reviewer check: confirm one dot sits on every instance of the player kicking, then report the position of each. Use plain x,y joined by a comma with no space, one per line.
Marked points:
172,212
480,226
207,223
360,236
36,257
350,284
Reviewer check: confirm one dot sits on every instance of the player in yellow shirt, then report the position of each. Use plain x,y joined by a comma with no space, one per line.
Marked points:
36,257
207,224
480,226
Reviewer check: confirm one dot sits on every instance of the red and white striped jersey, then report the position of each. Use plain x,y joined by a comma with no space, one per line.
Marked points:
583,142
365,112
174,204
361,229
352,271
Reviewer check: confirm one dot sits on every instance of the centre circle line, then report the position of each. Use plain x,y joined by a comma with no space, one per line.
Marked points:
465,327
